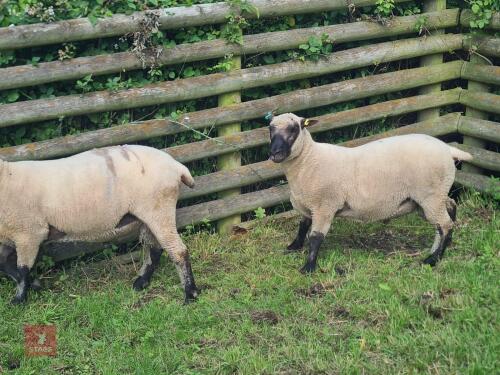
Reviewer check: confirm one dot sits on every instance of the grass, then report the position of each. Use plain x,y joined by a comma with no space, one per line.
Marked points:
371,308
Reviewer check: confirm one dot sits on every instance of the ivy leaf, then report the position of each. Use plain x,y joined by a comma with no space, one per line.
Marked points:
12,96
189,72
35,60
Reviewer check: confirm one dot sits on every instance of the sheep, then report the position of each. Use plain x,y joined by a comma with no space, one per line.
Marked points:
380,180
89,197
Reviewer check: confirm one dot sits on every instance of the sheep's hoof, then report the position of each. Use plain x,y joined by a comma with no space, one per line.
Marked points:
191,295
431,260
140,283
308,268
293,247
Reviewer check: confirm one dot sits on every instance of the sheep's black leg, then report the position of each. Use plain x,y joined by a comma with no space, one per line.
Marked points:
190,289
148,269
298,242
22,285
9,267
315,241
437,255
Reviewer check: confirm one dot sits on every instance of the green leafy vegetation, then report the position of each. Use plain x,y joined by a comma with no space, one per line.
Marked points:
385,8
370,308
482,11
315,48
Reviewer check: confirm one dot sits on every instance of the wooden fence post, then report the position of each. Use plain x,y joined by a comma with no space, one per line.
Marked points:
233,159
428,114
472,112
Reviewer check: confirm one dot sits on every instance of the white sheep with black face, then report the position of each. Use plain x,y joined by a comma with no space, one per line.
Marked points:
376,181
89,197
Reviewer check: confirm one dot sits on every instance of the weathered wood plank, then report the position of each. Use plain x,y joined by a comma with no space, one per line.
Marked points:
294,101
476,181
481,100
475,64
29,75
436,127
428,60
478,128
481,73
466,16
169,18
482,158
233,178
483,44
219,83
231,160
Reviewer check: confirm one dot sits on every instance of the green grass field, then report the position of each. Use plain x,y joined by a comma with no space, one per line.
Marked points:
370,309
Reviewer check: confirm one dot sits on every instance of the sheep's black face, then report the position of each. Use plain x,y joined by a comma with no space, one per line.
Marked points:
282,139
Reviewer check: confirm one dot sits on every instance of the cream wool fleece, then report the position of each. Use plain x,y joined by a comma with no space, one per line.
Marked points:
84,197
380,180
370,181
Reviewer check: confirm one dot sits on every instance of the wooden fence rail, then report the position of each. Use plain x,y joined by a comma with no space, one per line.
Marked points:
28,75
482,73
481,100
169,18
219,83
484,44
482,158
478,128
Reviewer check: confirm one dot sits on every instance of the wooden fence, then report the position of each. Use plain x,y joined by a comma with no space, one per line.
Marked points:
476,126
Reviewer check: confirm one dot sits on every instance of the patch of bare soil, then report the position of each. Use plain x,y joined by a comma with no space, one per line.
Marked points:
217,263
316,290
148,296
341,312
431,301
264,316
387,240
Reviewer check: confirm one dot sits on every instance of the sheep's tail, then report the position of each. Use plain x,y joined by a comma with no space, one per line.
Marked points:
186,177
457,154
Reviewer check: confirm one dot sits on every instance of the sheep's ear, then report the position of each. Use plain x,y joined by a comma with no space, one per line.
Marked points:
305,122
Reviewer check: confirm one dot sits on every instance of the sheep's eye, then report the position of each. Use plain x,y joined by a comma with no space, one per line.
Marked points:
292,128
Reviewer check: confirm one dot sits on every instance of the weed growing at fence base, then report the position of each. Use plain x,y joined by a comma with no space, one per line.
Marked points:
371,307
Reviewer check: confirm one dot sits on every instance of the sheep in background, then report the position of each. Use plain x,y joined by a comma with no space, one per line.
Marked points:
376,181
89,197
